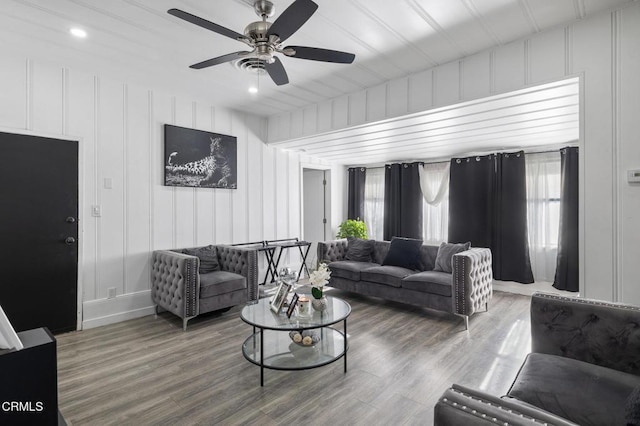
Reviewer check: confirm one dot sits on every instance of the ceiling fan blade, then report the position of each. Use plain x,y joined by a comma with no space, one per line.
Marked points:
276,72
205,24
292,19
316,54
219,60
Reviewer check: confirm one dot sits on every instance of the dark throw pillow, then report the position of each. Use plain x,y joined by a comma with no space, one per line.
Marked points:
445,255
359,250
208,258
404,252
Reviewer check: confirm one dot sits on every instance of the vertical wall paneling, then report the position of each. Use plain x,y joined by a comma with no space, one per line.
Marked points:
13,93
629,153
163,213
111,155
138,203
421,91
447,87
151,157
397,97
223,197
46,98
203,199
377,103
476,78
357,108
297,123
509,68
325,112
82,121
310,118
592,44
255,193
239,195
125,187
547,56
183,197
618,211
340,116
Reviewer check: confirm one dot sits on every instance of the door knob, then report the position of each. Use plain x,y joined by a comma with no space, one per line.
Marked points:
69,240
70,219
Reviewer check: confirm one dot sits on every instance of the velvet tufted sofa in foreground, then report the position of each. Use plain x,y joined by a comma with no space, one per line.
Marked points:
178,286
584,369
464,291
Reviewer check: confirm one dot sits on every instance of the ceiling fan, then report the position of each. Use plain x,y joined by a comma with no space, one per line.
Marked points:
266,38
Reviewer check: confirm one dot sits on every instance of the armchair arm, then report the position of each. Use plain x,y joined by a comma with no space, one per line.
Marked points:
472,280
330,251
460,405
175,284
601,333
243,261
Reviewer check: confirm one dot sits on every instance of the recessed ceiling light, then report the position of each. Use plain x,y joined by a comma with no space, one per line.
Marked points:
253,90
78,32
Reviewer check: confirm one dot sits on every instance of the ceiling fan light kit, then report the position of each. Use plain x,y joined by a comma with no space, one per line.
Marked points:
266,38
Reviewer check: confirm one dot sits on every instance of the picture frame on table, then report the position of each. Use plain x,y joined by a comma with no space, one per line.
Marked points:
279,298
292,305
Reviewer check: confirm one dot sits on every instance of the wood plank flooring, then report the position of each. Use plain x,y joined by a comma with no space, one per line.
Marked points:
149,372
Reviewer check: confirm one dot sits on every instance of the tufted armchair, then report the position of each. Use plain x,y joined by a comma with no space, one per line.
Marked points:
464,291
178,287
584,369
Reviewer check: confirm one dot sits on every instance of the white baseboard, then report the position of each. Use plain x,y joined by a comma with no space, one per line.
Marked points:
101,312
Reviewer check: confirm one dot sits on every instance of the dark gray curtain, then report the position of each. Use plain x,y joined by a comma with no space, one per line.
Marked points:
567,276
488,207
402,201
510,248
355,207
471,188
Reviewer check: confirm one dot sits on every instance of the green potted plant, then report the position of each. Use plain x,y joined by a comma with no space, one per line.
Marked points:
352,228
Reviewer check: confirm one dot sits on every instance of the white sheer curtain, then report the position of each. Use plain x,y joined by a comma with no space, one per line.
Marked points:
434,182
374,202
543,212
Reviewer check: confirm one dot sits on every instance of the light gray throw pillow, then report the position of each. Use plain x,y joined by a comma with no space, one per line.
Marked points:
445,255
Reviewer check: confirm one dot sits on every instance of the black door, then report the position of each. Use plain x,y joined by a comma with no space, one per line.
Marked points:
39,232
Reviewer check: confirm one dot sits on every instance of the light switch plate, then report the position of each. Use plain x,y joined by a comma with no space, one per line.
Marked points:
96,211
633,176
108,183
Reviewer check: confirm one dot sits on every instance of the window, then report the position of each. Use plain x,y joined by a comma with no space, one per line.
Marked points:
374,202
434,181
543,212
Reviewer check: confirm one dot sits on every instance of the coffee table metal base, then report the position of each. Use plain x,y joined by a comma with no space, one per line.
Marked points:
274,349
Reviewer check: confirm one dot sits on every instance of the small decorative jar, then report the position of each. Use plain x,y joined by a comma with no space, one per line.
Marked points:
304,306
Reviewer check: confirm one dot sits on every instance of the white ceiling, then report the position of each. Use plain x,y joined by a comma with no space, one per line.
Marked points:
138,41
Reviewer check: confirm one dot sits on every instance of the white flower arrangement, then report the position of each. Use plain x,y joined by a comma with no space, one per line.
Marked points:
318,279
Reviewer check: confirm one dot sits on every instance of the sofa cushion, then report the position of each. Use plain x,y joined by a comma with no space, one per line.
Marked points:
445,255
208,258
433,282
349,269
403,252
584,393
220,282
359,250
387,275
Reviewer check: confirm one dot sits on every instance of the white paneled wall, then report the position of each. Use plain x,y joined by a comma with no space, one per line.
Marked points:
603,52
120,128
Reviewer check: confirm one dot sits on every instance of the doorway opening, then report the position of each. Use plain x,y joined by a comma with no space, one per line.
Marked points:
316,201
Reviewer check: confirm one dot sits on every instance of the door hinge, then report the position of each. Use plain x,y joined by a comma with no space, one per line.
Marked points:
324,220
324,182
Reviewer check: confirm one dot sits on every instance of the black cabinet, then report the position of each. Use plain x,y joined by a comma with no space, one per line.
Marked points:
29,378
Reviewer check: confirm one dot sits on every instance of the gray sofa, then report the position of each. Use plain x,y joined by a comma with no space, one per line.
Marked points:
178,287
583,368
463,292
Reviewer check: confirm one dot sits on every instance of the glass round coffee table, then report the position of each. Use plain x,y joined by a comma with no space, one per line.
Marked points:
271,347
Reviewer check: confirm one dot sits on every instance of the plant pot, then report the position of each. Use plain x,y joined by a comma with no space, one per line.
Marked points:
319,304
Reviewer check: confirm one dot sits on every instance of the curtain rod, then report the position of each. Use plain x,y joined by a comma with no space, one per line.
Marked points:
377,166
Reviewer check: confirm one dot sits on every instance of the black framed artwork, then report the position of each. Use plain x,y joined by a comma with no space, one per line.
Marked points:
196,158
